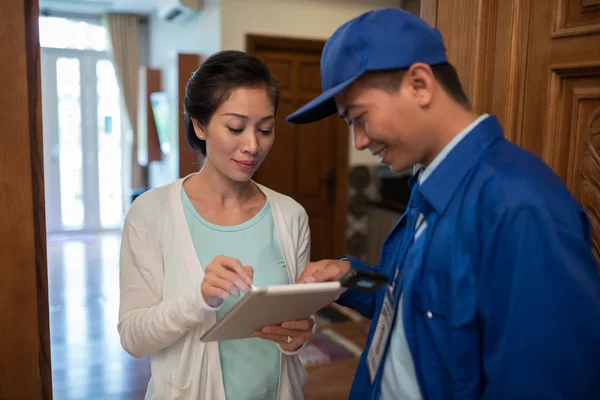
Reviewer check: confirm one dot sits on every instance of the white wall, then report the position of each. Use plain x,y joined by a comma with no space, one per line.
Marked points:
312,19
200,34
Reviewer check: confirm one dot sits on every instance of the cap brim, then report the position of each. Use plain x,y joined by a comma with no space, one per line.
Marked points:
321,107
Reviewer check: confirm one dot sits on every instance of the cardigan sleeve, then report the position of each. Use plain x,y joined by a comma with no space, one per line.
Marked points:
147,323
302,258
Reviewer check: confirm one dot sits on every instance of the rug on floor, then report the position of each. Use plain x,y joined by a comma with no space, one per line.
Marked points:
327,346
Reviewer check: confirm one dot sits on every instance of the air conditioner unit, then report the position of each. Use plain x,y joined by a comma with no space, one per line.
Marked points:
177,10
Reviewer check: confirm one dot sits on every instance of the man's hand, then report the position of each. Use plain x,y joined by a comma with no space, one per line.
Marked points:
324,271
290,336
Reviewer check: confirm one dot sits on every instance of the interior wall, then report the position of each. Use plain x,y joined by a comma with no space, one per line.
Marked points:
199,34
311,19
412,6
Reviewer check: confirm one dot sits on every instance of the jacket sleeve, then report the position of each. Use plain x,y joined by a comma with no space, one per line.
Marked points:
539,292
361,301
302,258
148,323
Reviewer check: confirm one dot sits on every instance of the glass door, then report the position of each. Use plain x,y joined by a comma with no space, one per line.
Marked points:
110,143
83,141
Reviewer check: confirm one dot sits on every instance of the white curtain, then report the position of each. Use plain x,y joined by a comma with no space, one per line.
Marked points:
124,36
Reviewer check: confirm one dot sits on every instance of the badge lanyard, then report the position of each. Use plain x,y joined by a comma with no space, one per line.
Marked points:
392,295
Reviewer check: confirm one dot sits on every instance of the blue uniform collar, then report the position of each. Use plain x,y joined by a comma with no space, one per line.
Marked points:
441,185
412,181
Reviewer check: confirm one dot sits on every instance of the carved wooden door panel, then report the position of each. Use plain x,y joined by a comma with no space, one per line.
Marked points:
536,65
561,96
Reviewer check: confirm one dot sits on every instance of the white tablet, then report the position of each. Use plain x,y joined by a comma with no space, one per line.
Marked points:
272,305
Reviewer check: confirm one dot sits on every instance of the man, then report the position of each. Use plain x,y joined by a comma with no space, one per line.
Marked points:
494,291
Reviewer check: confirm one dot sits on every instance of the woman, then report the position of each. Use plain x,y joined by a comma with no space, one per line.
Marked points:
192,248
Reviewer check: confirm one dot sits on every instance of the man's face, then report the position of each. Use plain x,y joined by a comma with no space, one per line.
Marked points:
389,123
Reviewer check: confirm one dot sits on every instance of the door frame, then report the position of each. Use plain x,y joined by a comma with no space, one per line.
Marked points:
25,368
257,43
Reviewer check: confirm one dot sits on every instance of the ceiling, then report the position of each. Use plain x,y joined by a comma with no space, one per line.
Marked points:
97,6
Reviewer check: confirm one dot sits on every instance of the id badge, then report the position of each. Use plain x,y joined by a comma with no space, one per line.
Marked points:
381,335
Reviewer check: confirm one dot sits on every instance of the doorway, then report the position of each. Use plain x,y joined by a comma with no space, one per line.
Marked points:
83,140
307,162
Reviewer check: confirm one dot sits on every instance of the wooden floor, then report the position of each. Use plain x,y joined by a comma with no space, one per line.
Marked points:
88,361
332,381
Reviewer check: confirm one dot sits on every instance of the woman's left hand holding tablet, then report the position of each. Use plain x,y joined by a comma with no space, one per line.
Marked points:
225,277
290,336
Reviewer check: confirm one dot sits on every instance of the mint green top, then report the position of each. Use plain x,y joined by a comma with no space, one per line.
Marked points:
250,367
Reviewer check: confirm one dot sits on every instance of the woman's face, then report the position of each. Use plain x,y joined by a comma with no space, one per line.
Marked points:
240,133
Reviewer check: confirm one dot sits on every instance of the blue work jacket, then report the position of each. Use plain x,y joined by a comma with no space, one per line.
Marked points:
504,302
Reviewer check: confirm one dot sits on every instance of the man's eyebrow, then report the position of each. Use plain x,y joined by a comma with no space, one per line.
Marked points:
346,111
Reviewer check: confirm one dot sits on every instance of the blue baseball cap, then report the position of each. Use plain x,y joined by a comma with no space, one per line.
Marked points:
384,39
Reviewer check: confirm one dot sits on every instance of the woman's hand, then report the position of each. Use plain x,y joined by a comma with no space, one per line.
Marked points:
225,277
290,336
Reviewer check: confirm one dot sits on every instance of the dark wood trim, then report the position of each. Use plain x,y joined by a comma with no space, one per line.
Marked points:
25,366
258,43
188,157
37,188
151,82
469,31
482,76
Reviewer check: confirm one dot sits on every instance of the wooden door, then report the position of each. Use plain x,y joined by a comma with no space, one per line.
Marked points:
24,328
561,110
307,162
536,65
189,159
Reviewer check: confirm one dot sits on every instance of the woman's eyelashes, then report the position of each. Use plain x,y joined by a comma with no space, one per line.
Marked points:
237,131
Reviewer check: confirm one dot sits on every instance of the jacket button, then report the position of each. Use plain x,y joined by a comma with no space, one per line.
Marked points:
429,314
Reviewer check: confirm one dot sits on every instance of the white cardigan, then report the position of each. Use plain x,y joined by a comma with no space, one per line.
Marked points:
162,311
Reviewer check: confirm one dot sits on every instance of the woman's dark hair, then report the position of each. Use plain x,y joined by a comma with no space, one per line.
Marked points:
211,85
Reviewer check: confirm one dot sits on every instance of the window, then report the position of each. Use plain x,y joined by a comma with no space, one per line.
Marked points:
62,33
83,142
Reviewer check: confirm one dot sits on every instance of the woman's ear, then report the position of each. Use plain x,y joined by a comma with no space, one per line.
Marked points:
198,129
